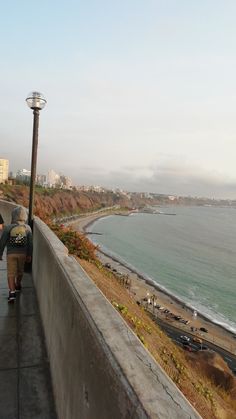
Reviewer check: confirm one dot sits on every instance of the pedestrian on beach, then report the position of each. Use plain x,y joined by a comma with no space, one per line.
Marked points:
17,236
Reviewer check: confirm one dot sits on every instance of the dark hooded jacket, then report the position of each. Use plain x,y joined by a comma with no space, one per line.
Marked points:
19,217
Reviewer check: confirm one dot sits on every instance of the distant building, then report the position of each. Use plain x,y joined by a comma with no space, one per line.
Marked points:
147,195
23,175
91,188
4,164
83,188
12,175
41,180
53,179
11,181
97,188
65,182
172,198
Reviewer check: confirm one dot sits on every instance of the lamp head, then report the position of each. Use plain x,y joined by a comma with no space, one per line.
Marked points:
36,100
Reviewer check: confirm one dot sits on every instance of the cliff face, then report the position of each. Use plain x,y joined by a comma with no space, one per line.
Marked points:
52,202
57,202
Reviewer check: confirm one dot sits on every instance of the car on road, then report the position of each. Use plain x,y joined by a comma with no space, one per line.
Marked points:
203,329
185,338
204,348
197,340
186,343
187,348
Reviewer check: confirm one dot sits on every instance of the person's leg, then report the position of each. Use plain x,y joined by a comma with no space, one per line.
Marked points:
18,283
20,271
11,273
11,283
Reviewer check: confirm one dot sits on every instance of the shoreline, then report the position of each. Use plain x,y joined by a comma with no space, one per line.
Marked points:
150,282
143,285
83,223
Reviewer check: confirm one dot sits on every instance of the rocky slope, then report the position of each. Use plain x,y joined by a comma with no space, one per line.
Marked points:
53,202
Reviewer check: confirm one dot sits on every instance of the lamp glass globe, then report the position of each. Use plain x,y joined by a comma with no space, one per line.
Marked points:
36,100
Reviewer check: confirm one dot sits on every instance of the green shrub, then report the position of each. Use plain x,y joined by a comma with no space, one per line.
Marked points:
76,243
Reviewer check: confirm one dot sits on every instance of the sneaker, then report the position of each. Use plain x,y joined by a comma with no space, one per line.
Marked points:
18,288
12,297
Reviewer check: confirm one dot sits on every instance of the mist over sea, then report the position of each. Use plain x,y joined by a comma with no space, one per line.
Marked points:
191,254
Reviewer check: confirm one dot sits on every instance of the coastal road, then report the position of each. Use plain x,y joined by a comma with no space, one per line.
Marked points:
174,333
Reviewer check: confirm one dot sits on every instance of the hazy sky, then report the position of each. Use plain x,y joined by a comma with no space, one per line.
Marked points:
141,94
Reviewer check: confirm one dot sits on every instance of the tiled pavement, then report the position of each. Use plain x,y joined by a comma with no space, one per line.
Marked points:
25,382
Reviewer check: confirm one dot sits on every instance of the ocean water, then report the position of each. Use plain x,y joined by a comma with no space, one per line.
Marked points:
191,254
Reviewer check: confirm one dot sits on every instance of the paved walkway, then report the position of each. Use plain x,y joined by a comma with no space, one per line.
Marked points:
25,382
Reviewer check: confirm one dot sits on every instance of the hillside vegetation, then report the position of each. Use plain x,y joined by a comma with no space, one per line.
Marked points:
51,203
205,380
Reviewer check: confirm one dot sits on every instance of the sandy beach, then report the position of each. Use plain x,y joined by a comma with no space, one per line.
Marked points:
143,288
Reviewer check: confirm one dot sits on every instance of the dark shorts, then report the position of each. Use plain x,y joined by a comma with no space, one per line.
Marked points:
15,264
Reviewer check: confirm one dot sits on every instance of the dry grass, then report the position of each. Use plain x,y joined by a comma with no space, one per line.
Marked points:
209,401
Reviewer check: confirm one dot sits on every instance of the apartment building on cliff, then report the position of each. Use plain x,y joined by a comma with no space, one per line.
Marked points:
4,164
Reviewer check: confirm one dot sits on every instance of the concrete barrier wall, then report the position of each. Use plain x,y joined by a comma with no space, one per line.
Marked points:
99,367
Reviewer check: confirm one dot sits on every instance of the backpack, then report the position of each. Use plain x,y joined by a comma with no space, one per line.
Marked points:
18,236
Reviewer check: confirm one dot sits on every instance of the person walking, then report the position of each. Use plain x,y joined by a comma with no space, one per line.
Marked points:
17,236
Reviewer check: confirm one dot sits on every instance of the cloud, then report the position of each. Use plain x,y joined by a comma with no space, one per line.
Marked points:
167,177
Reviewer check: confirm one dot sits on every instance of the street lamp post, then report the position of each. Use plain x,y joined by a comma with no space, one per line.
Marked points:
35,101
